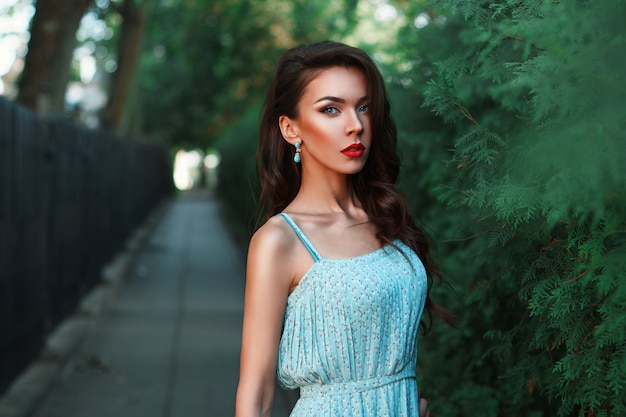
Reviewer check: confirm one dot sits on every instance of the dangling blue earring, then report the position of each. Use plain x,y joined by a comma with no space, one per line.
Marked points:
296,157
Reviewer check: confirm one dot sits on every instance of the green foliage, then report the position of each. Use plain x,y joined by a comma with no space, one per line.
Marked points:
199,65
533,239
206,60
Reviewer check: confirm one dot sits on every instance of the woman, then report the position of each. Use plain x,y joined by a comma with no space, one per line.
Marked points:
336,278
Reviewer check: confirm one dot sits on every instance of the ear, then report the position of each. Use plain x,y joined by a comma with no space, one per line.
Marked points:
288,129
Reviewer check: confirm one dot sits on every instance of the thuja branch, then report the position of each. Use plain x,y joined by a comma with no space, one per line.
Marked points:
517,38
467,114
577,277
474,236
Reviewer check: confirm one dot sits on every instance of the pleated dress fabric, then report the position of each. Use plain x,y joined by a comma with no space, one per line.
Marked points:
349,340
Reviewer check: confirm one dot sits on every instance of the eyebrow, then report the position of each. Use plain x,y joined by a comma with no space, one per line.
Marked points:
339,100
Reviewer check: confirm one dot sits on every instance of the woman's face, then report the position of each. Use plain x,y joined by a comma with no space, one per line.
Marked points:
333,123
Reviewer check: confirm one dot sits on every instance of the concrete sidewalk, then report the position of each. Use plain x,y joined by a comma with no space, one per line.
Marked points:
168,345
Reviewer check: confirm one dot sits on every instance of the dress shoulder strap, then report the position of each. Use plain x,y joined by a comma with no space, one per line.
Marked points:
305,241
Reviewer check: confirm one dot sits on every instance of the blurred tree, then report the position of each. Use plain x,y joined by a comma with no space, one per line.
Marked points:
201,62
206,61
47,64
133,15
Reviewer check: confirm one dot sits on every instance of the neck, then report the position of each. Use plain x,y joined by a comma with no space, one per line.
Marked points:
324,194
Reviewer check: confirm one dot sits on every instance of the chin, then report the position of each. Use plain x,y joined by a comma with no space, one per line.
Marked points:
355,170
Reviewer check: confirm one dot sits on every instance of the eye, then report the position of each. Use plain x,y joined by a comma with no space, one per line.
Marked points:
363,109
330,110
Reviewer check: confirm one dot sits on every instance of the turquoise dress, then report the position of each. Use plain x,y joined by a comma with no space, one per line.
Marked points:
349,340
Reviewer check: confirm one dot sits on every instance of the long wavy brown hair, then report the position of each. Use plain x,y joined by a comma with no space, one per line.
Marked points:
375,186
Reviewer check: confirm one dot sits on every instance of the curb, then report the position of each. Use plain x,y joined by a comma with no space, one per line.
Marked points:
30,387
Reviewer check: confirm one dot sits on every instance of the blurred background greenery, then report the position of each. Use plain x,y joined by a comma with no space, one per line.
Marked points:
511,129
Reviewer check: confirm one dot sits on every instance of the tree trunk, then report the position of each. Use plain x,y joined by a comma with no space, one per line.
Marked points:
129,47
60,70
47,64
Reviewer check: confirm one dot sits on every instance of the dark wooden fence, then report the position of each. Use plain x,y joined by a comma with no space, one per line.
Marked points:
69,198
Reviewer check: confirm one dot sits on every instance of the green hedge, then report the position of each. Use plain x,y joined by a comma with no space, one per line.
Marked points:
237,187
524,152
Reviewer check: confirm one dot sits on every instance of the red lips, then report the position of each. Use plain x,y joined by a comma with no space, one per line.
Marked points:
354,151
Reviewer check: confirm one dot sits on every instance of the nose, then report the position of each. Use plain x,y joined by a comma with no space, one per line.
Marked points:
354,124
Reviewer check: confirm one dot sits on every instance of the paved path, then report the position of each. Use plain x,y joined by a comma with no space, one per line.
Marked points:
169,344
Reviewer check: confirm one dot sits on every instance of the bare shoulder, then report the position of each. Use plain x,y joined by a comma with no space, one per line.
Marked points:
270,254
273,238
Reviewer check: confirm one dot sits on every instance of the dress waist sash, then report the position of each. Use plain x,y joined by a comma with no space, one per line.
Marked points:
350,387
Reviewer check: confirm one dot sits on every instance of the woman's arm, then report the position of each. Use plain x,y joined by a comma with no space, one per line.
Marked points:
424,408
268,279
